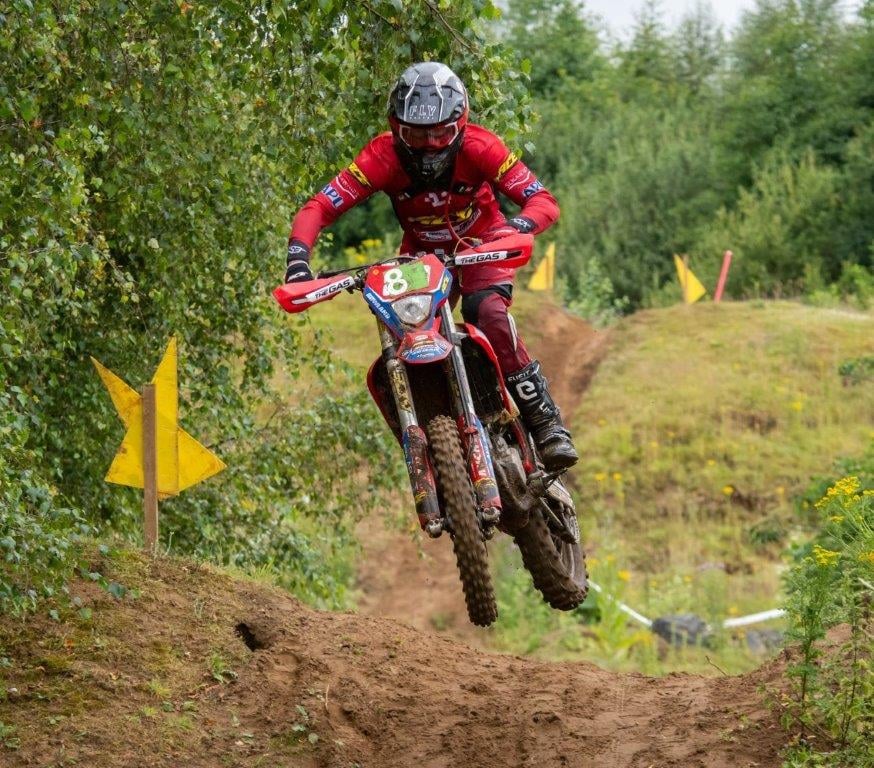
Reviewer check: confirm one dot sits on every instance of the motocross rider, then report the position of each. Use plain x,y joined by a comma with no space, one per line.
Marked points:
441,173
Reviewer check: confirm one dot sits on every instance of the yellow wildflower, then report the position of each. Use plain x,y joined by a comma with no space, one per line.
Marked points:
797,405
624,575
846,486
711,462
824,556
617,476
733,610
867,557
844,489
836,518
781,491
653,443
600,476
602,422
727,490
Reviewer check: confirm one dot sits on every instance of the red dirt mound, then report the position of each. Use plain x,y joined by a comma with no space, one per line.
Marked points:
200,671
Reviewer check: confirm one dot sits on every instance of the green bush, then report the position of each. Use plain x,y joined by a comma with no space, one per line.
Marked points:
779,230
831,706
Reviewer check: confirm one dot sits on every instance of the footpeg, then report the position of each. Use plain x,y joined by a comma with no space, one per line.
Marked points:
539,481
434,529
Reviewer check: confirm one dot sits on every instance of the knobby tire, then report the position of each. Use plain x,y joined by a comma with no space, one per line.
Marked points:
564,585
459,503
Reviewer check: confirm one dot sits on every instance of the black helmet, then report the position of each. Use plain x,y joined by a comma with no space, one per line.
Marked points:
427,111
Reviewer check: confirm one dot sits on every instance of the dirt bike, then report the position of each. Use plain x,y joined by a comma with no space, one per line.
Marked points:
472,464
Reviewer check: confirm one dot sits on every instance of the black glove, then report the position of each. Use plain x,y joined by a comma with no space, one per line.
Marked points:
297,265
521,224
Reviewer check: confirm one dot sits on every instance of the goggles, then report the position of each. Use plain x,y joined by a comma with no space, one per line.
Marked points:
428,137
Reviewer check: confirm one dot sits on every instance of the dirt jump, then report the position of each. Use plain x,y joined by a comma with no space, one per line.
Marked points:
200,671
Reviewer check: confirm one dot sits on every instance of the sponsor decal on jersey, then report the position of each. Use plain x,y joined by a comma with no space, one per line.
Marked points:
511,160
344,187
333,195
531,189
433,235
456,217
359,174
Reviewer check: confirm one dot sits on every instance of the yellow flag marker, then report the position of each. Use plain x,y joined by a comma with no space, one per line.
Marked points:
544,276
181,460
691,285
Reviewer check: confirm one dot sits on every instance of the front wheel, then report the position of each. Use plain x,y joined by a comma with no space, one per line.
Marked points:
459,505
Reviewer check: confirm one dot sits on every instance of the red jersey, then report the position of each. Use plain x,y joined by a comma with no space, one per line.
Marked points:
482,166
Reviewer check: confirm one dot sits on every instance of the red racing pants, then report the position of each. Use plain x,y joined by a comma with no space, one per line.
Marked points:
487,308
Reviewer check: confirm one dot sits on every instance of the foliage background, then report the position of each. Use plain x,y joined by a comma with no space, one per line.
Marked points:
151,155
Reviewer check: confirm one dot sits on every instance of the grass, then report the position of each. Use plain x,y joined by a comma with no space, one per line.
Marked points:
723,414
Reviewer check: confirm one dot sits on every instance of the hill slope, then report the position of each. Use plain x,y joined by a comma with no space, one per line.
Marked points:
170,678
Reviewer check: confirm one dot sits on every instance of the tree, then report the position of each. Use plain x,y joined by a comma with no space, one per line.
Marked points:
557,40
149,157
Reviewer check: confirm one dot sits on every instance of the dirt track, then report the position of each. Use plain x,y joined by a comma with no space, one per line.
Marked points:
340,690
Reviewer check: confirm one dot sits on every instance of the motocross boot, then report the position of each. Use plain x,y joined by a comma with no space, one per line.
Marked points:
542,417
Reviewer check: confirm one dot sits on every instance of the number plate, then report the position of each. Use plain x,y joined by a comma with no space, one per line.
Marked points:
406,278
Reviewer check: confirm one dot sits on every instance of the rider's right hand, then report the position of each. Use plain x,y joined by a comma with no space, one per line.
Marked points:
297,265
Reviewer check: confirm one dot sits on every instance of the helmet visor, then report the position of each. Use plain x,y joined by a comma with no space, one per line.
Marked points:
433,137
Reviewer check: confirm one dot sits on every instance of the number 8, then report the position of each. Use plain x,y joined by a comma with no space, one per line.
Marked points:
394,283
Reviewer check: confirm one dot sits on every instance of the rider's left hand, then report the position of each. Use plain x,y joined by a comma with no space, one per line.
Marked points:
521,224
510,227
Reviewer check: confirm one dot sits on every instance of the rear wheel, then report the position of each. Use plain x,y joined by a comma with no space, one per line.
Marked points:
557,566
459,505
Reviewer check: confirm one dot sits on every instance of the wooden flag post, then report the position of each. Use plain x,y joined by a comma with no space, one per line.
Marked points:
723,276
150,467
685,281
156,454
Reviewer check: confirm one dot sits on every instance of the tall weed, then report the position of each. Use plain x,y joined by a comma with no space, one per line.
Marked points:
831,705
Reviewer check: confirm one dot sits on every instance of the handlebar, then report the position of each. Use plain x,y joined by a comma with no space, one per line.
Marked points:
362,268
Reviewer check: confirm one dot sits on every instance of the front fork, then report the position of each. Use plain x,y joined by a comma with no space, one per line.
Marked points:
413,439
473,435
474,438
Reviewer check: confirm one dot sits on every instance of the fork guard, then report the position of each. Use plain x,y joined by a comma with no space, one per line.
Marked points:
421,475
